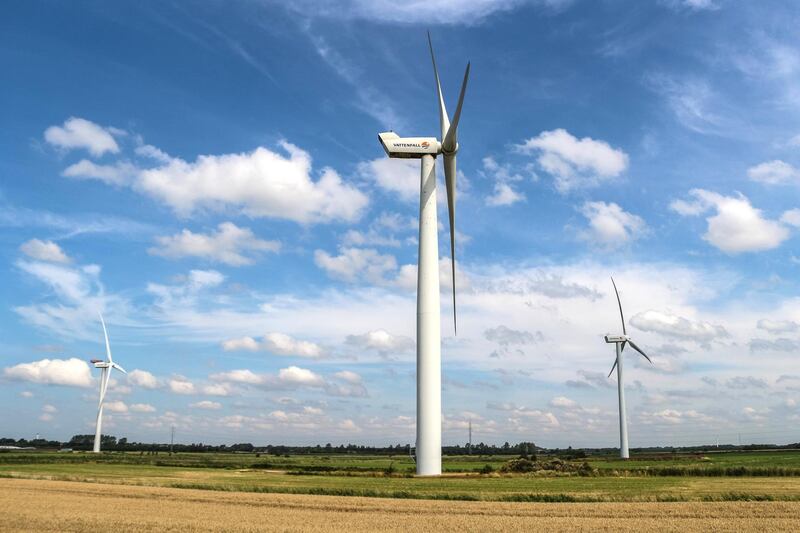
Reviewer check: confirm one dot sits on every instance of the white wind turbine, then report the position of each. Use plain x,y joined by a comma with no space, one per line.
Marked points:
620,341
105,374
429,366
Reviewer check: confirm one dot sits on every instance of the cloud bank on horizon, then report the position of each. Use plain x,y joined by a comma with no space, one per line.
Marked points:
212,183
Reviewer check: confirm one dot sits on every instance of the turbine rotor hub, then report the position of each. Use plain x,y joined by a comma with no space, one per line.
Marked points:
450,152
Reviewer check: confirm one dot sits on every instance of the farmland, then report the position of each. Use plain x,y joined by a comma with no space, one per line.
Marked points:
711,477
67,506
245,492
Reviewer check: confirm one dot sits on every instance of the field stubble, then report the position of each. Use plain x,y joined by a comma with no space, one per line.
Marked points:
27,505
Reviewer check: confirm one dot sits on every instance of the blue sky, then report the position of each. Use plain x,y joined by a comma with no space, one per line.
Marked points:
208,176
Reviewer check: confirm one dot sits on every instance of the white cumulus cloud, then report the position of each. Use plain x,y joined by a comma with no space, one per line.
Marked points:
181,385
230,244
381,341
120,173
44,251
142,378
356,264
563,402
400,177
774,172
206,404
276,343
261,183
348,376
300,376
244,344
736,226
504,179
82,133
791,218
116,406
610,226
504,194
239,376
575,162
72,372
672,325
282,344
216,389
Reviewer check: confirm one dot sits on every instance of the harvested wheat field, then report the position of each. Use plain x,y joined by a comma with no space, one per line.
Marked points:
38,505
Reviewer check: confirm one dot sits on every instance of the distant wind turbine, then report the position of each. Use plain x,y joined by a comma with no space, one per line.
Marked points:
429,361
105,374
620,341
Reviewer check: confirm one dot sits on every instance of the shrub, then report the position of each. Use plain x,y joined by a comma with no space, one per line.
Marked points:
518,466
573,454
586,470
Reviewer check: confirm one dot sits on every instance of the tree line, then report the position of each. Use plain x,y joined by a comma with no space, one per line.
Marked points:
112,443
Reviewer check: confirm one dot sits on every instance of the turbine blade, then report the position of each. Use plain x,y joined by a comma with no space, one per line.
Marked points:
444,121
622,347
115,365
612,368
633,345
450,183
104,378
449,143
620,307
105,334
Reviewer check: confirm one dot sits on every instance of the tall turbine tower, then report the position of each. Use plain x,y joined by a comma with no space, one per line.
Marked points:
429,359
619,342
105,374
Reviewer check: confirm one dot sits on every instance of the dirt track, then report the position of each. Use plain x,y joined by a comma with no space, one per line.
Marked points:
34,505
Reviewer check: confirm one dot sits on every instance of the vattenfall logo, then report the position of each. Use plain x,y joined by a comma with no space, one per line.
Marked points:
423,144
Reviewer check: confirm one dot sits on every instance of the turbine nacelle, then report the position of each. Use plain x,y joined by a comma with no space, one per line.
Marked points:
408,147
106,364
613,339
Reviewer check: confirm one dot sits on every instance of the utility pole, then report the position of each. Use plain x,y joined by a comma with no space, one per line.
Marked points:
469,449
172,440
